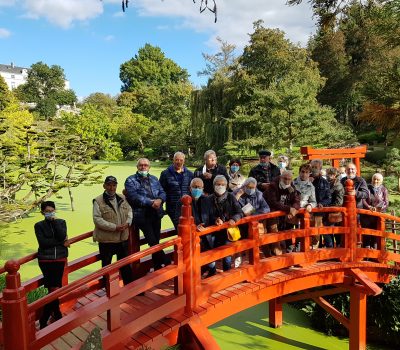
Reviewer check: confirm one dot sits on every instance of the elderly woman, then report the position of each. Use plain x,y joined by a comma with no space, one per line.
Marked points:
252,202
305,187
378,201
236,179
283,162
224,208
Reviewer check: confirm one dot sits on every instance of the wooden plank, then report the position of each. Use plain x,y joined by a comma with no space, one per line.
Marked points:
81,333
60,344
71,339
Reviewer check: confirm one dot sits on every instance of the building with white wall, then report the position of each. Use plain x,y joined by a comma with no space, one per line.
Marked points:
13,75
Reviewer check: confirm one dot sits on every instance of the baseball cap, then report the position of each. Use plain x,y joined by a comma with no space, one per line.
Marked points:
110,179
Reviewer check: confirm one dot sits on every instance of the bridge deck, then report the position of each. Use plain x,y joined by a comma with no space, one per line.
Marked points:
155,332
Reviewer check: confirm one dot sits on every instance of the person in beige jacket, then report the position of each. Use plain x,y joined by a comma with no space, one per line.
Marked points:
112,216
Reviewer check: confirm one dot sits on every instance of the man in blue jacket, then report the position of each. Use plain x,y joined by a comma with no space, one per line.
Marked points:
175,181
146,197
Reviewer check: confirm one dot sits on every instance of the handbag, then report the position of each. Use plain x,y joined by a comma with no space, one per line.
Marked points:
335,217
233,233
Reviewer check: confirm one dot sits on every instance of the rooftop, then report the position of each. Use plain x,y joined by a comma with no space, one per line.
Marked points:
11,68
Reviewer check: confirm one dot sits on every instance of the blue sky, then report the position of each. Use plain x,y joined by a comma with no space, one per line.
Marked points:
90,39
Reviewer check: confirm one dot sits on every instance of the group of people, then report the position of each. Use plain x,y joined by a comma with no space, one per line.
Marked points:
219,195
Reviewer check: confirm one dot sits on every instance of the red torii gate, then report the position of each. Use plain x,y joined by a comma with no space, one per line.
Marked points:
336,155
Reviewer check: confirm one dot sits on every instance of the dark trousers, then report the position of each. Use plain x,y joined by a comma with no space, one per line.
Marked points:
120,249
52,275
221,238
151,229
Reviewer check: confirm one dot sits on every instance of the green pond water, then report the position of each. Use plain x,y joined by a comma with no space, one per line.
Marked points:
246,330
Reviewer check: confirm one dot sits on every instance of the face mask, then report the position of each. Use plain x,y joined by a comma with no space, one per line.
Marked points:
220,189
235,168
143,173
50,215
283,185
315,172
197,192
250,191
263,163
282,165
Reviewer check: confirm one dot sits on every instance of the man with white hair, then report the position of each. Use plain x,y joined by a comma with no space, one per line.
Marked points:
360,185
209,171
175,181
146,197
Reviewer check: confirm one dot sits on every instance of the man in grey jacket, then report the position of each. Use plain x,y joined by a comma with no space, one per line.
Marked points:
112,216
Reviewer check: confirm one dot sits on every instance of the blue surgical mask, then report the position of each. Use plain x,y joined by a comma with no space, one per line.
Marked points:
235,168
143,173
50,215
197,192
250,191
282,165
263,163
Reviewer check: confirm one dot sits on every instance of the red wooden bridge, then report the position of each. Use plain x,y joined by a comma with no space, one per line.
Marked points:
178,305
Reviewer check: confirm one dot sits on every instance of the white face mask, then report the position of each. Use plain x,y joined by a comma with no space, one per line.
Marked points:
220,189
283,185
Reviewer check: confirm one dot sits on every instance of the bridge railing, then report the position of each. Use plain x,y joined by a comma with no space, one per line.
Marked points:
19,317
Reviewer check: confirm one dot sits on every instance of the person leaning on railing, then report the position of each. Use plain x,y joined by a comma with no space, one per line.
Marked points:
281,195
252,202
337,197
225,208
378,201
202,214
51,234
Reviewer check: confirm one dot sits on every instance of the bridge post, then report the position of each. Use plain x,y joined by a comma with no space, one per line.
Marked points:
351,240
275,313
187,232
15,310
358,320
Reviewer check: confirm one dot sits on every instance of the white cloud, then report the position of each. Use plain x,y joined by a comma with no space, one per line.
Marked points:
235,18
4,33
63,13
109,37
7,2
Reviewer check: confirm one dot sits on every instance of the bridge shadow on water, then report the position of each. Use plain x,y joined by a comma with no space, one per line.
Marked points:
250,330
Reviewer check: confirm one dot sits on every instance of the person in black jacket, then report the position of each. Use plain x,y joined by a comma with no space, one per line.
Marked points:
175,181
265,172
224,208
209,171
323,196
51,234
201,211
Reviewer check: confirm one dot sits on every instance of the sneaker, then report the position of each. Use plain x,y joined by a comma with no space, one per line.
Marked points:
238,261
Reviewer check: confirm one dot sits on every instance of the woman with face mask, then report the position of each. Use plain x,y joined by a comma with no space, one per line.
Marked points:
252,202
51,234
283,163
378,201
236,179
224,208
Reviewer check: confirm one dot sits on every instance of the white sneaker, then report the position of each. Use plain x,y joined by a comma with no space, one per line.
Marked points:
238,261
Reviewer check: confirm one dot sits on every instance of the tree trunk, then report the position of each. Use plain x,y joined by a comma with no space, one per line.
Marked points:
71,198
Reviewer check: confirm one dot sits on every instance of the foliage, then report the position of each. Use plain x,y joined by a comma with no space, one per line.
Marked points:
102,101
269,101
5,94
45,86
37,160
359,56
96,129
158,90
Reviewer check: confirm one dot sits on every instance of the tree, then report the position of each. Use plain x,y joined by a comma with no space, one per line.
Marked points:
158,90
5,94
270,100
95,127
103,101
222,62
45,86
